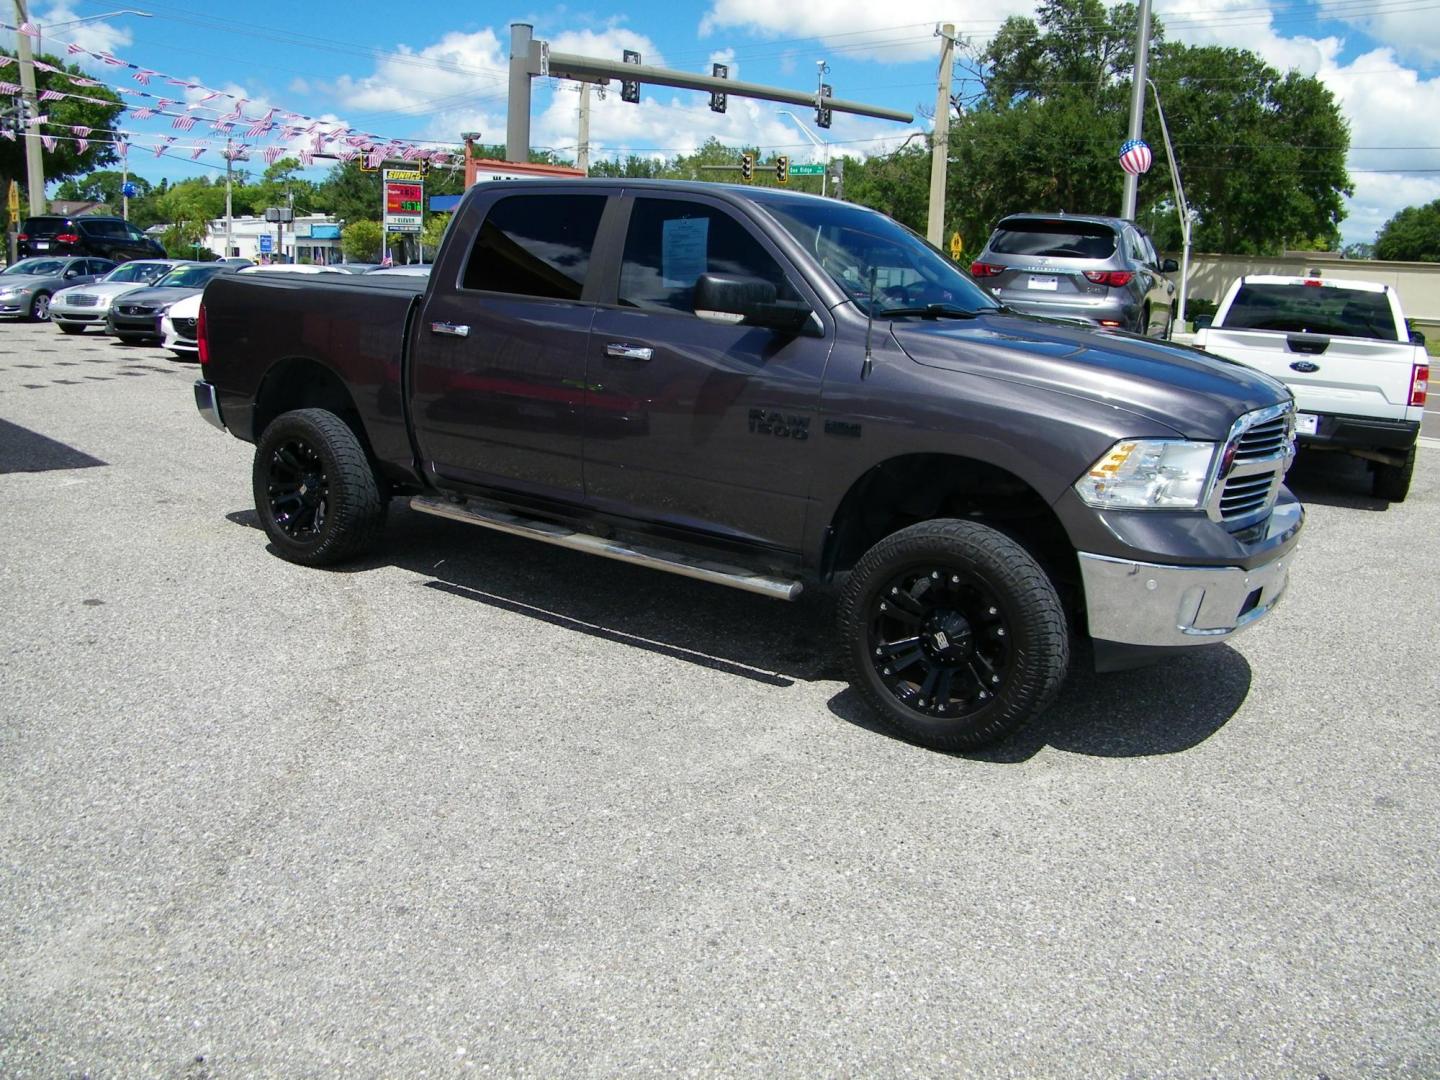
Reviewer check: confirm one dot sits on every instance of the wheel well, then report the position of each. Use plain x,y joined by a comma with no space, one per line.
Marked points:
920,487
304,384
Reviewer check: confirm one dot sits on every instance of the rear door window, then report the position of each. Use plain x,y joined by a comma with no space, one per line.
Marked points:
1054,239
527,248
1314,309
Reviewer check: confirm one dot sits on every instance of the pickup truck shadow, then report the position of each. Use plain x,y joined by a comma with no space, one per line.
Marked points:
1333,479
1158,710
1164,709
709,625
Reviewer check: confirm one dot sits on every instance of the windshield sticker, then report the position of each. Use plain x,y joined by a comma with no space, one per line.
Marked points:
684,251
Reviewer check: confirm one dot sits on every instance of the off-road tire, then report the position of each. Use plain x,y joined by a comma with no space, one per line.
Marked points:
315,489
987,614
1392,482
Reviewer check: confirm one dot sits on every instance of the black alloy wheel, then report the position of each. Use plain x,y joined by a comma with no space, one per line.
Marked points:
298,490
315,488
953,633
939,642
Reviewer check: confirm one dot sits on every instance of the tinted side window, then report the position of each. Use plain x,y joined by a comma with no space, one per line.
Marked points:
535,245
671,243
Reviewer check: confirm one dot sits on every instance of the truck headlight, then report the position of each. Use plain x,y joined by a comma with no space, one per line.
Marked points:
1145,474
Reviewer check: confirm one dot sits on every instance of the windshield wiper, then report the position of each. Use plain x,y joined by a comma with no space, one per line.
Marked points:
930,311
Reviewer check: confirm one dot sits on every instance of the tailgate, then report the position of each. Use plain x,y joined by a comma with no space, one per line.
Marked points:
1328,374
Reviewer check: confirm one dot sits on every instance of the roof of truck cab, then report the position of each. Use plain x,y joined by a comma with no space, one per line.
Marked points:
737,192
1338,283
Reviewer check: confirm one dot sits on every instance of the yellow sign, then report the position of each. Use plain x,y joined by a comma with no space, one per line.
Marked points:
14,198
956,246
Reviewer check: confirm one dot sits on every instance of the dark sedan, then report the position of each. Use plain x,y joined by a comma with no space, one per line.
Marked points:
136,315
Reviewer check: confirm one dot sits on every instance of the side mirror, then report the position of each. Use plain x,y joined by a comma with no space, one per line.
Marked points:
1169,266
71,273
735,298
1202,322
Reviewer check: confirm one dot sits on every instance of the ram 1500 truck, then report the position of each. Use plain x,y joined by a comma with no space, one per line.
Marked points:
758,388
1343,347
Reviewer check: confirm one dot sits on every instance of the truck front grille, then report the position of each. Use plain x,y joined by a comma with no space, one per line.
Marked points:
1256,456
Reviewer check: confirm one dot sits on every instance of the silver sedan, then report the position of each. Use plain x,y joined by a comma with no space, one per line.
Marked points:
27,286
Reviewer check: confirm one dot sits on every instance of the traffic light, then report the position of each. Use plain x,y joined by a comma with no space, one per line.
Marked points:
782,169
717,99
630,88
747,167
822,109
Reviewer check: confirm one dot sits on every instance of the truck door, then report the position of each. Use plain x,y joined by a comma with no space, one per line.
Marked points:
498,360
701,424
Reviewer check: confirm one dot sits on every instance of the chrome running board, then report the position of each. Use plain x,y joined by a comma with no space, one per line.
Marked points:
561,536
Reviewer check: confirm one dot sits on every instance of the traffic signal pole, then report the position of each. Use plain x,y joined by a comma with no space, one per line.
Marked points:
530,59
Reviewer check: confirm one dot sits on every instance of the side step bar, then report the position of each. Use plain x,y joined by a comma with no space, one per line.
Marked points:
560,536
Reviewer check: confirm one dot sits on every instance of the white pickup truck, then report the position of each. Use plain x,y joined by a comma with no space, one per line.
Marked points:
1358,375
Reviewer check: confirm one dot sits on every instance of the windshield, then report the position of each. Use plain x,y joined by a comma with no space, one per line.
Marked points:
187,276
136,271
44,267
1060,239
1315,309
867,254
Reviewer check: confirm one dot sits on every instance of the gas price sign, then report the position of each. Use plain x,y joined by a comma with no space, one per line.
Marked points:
404,200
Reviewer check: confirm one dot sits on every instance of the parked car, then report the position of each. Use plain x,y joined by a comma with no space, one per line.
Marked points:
1359,376
81,306
107,237
681,375
178,325
27,286
136,315
290,268
1101,271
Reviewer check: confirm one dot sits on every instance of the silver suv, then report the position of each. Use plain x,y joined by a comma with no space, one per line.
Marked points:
1101,271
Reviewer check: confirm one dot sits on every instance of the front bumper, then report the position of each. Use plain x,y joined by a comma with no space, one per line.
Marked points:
208,404
16,306
1152,605
148,325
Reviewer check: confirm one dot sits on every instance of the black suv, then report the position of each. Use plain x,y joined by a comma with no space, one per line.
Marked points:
103,237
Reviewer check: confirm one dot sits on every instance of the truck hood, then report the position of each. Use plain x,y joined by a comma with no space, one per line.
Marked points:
1193,393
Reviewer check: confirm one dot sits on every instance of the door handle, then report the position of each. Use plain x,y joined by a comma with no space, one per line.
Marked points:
628,352
450,328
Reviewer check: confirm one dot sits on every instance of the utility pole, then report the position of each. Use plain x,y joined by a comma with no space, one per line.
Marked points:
34,165
1137,104
229,213
582,153
940,139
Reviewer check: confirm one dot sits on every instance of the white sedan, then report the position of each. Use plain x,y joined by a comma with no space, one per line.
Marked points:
79,306
177,326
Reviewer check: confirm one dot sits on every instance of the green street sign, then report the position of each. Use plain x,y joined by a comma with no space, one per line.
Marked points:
807,170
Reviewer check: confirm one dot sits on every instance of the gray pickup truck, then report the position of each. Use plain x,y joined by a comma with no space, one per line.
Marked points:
758,388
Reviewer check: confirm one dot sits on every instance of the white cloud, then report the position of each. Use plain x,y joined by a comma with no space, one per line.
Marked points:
1379,197
1414,34
898,32
97,36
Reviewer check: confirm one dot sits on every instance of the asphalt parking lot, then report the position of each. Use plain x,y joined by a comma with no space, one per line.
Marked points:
476,805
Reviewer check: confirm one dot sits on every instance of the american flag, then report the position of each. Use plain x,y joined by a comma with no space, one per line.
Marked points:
29,29
143,113
163,145
40,65
272,154
195,155
107,58
6,61
184,122
81,145
142,76
210,95
72,49
80,130
9,88
52,95
49,141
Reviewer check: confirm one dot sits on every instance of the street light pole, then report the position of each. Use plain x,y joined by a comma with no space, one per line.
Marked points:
824,146
1137,105
1186,214
34,165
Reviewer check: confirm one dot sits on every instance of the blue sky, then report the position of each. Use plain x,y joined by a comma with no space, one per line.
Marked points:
426,72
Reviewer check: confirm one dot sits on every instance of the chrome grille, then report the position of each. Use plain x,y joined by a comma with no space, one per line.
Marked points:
1257,454
83,300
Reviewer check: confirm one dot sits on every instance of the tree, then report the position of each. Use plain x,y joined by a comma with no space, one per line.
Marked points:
64,114
1412,235
1262,155
361,241
102,185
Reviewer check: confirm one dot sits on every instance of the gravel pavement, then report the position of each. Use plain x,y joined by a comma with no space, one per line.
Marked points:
480,806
